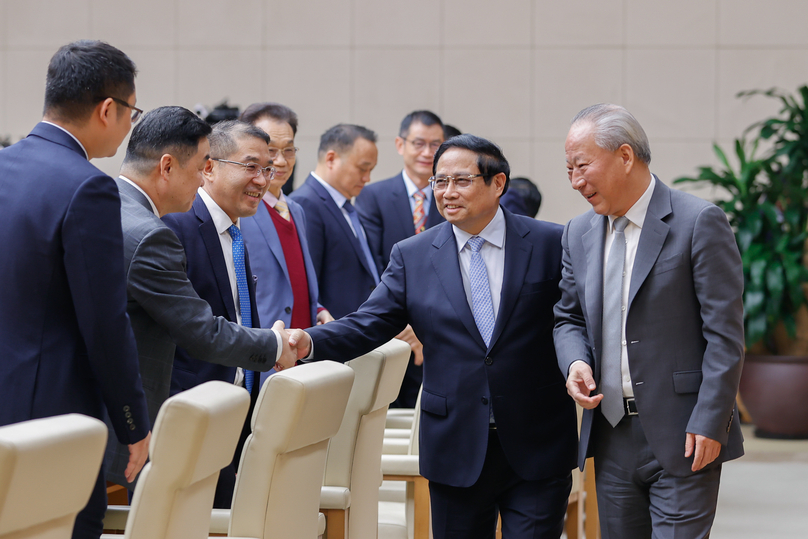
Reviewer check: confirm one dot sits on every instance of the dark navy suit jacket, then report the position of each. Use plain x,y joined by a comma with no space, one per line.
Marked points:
343,275
208,273
517,373
66,344
386,215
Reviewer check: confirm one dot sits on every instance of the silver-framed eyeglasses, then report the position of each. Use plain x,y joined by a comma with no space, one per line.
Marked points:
461,181
419,144
288,153
253,169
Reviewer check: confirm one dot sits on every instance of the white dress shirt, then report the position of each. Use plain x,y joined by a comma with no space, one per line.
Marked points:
636,217
339,200
412,189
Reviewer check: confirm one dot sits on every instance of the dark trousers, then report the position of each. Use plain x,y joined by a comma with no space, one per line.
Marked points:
529,509
90,520
637,498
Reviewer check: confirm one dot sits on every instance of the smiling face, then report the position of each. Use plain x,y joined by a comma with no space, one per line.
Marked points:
281,137
472,208
601,176
348,173
236,191
418,162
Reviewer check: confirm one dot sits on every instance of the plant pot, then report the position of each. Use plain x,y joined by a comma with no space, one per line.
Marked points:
774,388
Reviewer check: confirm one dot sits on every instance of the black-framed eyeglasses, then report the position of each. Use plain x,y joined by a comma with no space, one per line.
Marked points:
288,153
136,112
461,181
419,144
253,169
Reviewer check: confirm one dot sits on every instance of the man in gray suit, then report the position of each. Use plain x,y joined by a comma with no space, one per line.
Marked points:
160,174
649,332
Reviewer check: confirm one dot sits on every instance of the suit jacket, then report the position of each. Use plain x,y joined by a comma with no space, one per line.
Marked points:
273,289
166,311
66,344
343,275
208,274
684,323
386,215
517,373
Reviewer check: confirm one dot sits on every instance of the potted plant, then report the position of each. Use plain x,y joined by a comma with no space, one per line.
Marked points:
767,205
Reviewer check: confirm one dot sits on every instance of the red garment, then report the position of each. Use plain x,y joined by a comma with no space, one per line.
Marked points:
293,253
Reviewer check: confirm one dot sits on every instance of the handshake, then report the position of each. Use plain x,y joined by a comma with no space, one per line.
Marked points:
296,342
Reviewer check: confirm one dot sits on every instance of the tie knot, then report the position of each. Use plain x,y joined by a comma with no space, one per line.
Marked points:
475,243
348,206
235,233
620,223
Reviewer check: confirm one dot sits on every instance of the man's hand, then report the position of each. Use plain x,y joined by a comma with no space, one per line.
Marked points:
138,453
299,340
288,356
707,450
408,336
324,317
580,384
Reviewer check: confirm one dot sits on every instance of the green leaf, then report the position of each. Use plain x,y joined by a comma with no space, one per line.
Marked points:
755,328
757,270
754,301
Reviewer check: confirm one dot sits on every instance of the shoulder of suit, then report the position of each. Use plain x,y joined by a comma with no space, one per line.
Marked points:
384,185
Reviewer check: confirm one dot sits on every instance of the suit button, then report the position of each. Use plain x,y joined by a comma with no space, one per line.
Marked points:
288,310
489,361
484,400
126,408
128,414
131,427
130,421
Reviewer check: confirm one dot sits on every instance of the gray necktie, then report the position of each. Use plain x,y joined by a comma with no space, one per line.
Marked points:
611,379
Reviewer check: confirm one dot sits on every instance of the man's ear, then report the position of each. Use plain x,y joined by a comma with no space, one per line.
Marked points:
106,112
400,145
499,182
331,158
626,154
208,172
167,162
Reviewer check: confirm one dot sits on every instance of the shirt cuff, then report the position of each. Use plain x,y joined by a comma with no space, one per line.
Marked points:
280,345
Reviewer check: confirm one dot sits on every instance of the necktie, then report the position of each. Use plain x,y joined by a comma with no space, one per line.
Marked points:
418,214
611,379
482,305
283,209
360,235
243,291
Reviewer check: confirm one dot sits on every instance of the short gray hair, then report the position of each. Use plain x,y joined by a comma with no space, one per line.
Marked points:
614,126
224,137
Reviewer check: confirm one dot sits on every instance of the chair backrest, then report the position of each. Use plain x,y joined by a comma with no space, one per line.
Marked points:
378,379
48,468
277,491
194,437
415,433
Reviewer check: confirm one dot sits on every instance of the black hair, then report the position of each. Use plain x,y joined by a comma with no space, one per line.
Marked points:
450,131
490,159
419,117
275,111
530,194
342,137
83,73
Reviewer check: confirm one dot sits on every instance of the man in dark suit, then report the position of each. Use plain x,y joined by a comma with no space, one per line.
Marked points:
497,429
651,317
235,178
167,154
286,288
338,243
67,345
400,207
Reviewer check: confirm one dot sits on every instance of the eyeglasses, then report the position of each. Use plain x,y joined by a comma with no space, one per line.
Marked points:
136,112
253,169
419,144
288,153
461,181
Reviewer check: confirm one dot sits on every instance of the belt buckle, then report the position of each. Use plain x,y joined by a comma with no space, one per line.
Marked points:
631,406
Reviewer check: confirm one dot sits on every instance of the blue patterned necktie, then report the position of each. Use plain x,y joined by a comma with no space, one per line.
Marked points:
243,291
482,305
360,235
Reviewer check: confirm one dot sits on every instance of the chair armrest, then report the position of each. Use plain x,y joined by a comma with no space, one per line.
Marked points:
219,520
335,498
400,465
116,516
320,524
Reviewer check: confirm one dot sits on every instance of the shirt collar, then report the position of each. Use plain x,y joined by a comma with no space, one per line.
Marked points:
220,219
412,188
339,199
493,233
271,199
139,188
86,155
636,214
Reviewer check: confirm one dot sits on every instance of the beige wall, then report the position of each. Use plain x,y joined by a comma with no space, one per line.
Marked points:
514,71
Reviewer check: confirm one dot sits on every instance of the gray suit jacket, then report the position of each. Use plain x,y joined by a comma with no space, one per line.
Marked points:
684,323
166,311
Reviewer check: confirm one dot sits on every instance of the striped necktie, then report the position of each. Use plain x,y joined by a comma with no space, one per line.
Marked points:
283,209
418,214
243,291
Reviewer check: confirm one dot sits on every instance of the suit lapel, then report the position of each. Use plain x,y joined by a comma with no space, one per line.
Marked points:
447,265
593,249
267,227
127,189
652,237
214,247
401,206
434,217
517,257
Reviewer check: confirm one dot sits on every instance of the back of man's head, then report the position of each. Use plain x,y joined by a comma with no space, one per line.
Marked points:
341,139
424,117
83,73
530,194
273,111
164,130
490,159
225,137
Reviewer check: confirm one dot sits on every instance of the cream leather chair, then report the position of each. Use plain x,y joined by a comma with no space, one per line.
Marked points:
277,493
194,437
65,449
350,493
